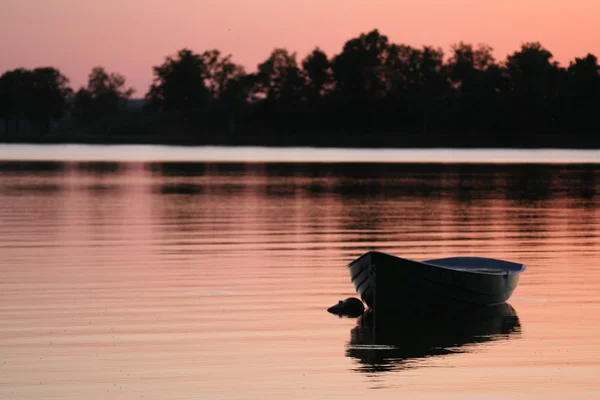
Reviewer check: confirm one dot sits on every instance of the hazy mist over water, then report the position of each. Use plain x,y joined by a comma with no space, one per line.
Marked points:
211,279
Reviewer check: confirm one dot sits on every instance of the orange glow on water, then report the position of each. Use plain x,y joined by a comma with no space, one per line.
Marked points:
183,280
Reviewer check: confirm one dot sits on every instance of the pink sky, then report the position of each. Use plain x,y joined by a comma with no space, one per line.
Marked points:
130,36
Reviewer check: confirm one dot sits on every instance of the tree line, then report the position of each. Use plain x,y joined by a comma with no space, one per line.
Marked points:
374,92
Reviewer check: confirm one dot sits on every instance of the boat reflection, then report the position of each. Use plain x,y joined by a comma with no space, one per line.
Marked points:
393,343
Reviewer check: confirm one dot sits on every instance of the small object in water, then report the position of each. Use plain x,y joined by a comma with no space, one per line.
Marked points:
351,307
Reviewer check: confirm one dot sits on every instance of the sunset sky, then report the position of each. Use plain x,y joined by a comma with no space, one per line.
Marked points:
130,36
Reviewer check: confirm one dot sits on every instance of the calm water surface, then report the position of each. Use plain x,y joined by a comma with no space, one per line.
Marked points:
211,280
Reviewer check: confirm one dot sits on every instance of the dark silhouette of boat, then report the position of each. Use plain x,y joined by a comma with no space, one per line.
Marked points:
390,284
391,342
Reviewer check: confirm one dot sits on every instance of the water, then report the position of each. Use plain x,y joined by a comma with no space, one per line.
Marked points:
210,280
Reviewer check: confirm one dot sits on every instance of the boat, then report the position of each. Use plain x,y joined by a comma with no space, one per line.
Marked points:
388,283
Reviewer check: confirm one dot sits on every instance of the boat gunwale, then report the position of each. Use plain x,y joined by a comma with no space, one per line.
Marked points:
492,272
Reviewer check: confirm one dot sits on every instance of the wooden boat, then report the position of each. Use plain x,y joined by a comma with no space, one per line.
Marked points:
389,283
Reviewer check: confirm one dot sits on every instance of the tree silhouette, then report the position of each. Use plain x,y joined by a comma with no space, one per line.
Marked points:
220,72
359,69
477,81
105,94
233,100
582,99
15,88
361,85
373,92
179,83
278,88
533,87
228,89
429,88
317,70
467,67
279,78
84,109
48,97
316,114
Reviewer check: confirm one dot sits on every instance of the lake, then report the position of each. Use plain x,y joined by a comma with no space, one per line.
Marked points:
142,277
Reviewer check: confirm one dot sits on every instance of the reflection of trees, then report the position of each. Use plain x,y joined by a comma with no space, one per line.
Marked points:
71,201
465,209
99,168
178,169
407,209
27,167
32,206
34,179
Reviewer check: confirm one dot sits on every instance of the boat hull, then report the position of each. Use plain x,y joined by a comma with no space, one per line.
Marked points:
389,283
